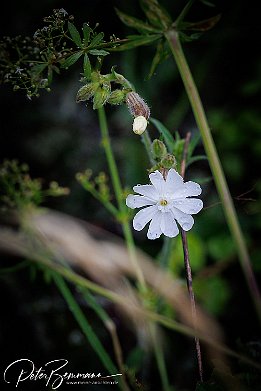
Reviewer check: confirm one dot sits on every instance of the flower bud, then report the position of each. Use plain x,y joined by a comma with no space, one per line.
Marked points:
139,124
116,97
159,149
137,105
86,92
101,96
168,161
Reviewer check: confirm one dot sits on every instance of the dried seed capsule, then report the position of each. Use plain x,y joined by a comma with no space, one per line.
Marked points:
137,106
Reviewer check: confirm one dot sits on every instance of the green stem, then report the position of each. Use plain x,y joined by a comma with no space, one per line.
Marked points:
128,234
118,194
147,143
83,323
217,171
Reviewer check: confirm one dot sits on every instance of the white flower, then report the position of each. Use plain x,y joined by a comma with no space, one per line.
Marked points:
166,201
139,124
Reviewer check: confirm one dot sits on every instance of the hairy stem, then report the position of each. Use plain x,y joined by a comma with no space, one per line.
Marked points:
188,268
215,165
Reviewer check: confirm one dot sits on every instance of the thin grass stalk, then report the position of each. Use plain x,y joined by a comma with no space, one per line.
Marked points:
83,323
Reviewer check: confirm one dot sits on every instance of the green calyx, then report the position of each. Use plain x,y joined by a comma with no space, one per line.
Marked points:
159,149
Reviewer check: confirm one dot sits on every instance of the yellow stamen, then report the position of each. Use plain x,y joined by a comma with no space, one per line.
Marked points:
163,202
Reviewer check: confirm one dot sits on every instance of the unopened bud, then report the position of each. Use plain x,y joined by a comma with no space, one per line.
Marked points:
139,124
101,96
116,97
168,161
86,92
159,149
137,106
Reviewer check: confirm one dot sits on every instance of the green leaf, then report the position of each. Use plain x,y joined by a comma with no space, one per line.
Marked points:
96,40
160,55
37,69
71,60
168,138
193,143
87,69
86,33
96,52
156,14
75,34
136,23
202,25
213,292
196,159
135,42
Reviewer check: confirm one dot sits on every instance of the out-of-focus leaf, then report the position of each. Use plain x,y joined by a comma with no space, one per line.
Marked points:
136,23
156,14
135,359
221,247
136,41
195,159
75,34
197,252
37,69
202,25
86,33
96,40
189,38
168,138
213,292
160,55
87,69
208,3
96,52
71,60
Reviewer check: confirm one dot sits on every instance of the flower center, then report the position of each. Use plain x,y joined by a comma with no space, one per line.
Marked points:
163,202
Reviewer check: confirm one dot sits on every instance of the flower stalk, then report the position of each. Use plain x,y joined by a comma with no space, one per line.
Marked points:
215,165
188,268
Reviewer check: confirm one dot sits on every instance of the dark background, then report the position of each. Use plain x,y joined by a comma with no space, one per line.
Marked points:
58,138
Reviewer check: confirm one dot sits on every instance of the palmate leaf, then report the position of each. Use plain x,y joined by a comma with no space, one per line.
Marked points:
160,55
156,14
86,33
87,69
71,60
137,24
96,40
75,34
97,52
202,25
135,41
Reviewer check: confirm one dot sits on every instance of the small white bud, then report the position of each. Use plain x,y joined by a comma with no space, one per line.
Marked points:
139,124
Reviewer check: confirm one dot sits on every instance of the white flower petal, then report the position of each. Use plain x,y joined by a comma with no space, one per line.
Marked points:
154,230
189,189
147,190
143,217
168,225
137,201
189,205
174,181
158,181
185,221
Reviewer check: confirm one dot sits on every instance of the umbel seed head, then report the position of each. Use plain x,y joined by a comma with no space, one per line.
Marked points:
137,106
